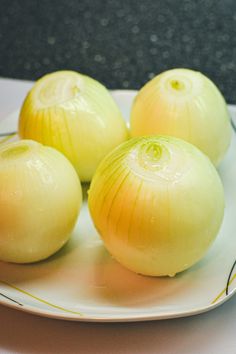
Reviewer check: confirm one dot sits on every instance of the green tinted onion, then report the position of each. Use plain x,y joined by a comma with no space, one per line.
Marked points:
40,198
76,115
185,104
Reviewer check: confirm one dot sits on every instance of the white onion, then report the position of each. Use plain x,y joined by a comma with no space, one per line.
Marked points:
157,203
76,115
185,104
40,198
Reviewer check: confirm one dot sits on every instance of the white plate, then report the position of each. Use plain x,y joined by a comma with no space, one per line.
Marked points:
83,283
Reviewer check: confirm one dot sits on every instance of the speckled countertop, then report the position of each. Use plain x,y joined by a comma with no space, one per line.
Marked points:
121,43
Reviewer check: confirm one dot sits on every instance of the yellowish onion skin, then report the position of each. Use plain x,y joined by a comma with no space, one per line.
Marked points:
40,198
76,115
157,203
185,104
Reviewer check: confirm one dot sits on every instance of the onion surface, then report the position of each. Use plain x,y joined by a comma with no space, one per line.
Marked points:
185,104
76,115
40,198
157,203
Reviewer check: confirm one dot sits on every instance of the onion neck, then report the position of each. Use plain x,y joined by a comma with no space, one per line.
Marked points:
157,159
151,156
14,151
57,88
17,150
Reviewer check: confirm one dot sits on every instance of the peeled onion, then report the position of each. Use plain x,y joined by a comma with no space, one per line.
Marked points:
157,203
185,104
76,115
40,198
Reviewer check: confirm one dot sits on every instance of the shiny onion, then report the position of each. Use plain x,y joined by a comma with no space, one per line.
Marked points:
76,115
40,198
157,203
185,104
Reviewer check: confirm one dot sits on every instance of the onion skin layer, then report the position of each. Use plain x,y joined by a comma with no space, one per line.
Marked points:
157,203
185,104
76,115
40,198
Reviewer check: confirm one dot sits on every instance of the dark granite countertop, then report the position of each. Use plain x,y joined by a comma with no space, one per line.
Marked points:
121,43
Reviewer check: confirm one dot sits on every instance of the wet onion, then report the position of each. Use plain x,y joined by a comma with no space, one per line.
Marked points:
185,104
76,115
157,203
40,198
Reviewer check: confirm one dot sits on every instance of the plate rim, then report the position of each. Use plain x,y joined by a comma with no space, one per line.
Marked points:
123,318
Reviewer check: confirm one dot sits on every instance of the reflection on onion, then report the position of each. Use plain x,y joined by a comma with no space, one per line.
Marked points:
40,198
157,203
185,104
76,115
